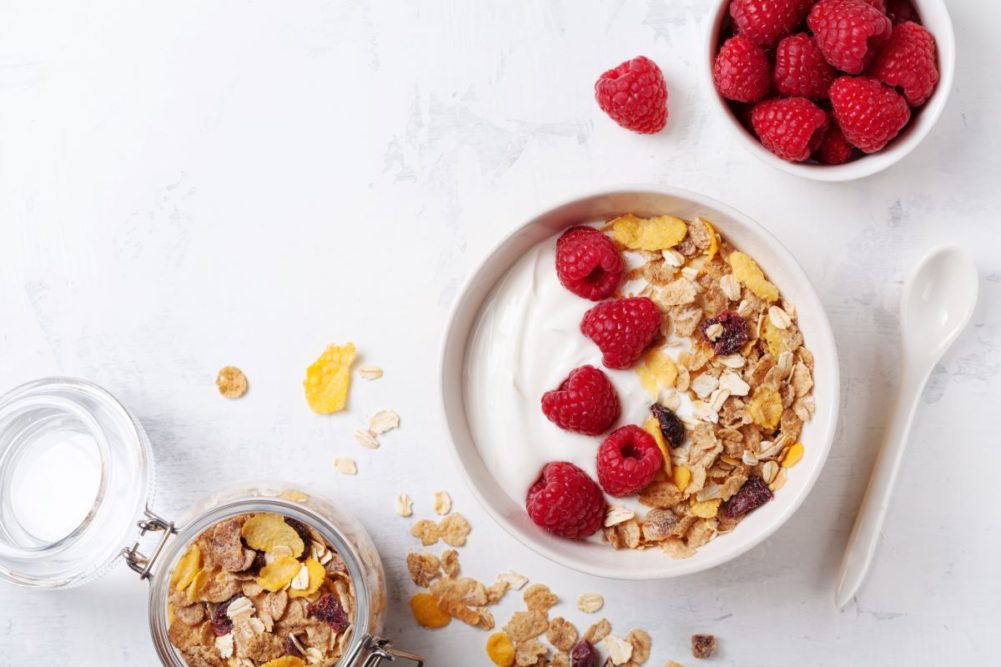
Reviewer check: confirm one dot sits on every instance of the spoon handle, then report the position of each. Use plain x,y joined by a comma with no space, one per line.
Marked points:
869,522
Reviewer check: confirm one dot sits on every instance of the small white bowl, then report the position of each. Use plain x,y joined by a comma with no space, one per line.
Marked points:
934,16
782,269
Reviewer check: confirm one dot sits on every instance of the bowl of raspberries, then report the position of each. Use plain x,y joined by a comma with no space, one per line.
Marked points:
832,90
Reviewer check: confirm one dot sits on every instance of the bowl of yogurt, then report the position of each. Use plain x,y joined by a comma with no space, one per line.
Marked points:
514,333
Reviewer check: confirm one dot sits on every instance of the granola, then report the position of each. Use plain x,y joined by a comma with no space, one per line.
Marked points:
260,589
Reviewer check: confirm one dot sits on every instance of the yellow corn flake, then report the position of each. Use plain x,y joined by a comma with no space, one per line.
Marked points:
197,584
652,426
500,650
707,509
427,612
765,408
329,378
793,455
660,233
747,271
285,661
279,573
656,371
774,337
187,567
317,575
681,476
713,242
265,532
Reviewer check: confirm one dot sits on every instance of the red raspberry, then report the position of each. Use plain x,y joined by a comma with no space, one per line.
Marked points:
908,62
588,263
565,501
741,70
849,32
628,460
800,68
835,149
869,113
767,21
634,94
586,402
878,5
902,10
791,127
622,329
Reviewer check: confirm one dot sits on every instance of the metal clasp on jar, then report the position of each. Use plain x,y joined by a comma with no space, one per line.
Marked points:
375,650
136,559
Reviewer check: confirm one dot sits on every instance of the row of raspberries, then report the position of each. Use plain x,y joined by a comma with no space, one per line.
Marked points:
822,79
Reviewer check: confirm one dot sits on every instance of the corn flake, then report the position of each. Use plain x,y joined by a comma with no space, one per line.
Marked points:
765,408
279,573
285,661
197,584
682,477
329,378
659,233
500,650
793,455
317,575
713,241
187,567
231,381
706,509
652,426
426,611
747,271
266,532
656,371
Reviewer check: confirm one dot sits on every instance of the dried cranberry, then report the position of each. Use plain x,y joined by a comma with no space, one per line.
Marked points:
584,655
300,528
221,623
750,497
670,426
328,609
291,649
703,646
734,332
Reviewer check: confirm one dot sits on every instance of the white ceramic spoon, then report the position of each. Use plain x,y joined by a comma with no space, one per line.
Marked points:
936,305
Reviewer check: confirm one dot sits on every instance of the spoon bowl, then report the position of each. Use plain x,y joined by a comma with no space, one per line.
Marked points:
938,302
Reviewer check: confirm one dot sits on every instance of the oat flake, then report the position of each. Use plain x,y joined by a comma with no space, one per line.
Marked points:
346,466
590,603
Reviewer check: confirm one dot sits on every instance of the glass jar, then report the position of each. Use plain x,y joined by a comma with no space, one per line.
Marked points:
71,435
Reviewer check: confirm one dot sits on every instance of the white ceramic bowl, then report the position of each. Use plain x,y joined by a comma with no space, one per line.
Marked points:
934,16
744,233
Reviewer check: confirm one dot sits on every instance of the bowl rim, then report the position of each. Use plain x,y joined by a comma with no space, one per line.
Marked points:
684,567
867,165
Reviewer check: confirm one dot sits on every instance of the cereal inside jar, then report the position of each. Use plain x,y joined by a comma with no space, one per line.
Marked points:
260,590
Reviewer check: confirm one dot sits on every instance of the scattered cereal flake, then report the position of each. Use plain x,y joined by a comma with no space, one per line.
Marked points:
672,663
187,567
500,650
442,503
294,495
284,661
529,653
224,645
316,575
682,476
328,379
450,563
370,372
619,650
538,597
366,439
561,634
404,505
345,465
658,233
267,532
703,646
231,381
779,318
652,426
590,603
598,631
656,371
617,514
765,408
513,579
525,625
423,568
426,530
383,421
454,529
747,271
426,611
641,642
278,574
793,455
706,509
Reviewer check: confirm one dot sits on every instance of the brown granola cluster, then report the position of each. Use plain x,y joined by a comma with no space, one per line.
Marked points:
260,590
749,379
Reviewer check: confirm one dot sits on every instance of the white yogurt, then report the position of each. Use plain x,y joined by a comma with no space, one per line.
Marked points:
525,342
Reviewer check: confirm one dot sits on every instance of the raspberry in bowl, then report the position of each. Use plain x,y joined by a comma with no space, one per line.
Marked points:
854,85
561,408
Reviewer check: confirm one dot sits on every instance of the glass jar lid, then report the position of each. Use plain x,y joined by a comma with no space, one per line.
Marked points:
76,473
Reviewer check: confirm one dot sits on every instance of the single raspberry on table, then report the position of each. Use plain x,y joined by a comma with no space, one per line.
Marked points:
565,501
731,335
741,70
908,62
801,69
585,402
628,460
868,113
849,32
634,94
790,127
767,21
588,263
622,329
835,149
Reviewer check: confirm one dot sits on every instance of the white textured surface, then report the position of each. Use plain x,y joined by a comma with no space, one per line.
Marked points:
190,184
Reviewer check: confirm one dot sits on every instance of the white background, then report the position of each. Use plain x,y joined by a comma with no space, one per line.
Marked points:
185,185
